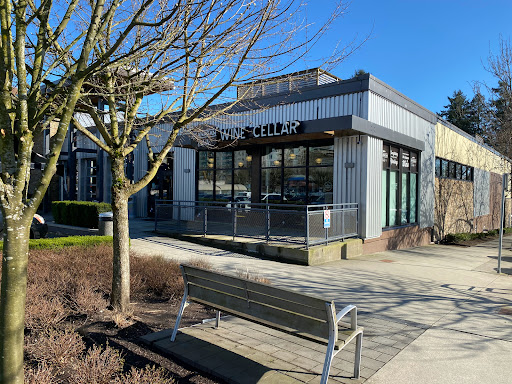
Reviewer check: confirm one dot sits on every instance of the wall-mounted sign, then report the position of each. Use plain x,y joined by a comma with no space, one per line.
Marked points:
264,130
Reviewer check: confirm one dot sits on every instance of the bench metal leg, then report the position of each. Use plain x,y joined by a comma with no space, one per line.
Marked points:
327,364
217,319
184,304
357,360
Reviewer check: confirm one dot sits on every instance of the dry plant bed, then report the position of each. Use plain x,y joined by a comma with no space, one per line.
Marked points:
71,335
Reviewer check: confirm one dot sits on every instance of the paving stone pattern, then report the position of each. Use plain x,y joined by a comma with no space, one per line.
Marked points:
243,352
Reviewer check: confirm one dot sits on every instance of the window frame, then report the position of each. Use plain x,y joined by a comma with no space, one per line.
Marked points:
401,170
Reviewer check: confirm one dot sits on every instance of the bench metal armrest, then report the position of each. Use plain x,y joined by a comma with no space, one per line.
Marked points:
353,315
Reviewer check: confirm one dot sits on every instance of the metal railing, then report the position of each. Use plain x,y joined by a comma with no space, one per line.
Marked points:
302,224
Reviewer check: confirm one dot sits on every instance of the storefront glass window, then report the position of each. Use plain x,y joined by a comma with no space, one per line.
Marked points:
322,155
393,194
270,184
295,156
399,185
223,185
272,157
295,185
405,201
224,160
384,197
412,196
320,185
206,160
290,174
205,187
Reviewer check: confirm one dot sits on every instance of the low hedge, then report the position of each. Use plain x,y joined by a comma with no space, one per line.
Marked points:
78,213
461,237
70,241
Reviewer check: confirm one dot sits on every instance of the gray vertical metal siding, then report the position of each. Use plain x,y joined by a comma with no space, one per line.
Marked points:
184,180
372,223
482,191
390,115
426,193
361,183
140,162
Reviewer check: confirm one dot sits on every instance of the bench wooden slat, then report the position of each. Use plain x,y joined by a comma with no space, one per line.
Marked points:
216,286
288,321
252,295
316,313
213,276
282,293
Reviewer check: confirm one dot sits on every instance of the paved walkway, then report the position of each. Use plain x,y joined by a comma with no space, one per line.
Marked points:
433,314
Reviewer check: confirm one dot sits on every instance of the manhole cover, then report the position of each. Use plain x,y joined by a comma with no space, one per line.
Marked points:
388,261
505,311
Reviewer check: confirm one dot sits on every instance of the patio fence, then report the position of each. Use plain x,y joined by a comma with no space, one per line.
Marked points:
302,224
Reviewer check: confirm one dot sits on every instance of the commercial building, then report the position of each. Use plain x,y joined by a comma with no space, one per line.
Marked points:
312,138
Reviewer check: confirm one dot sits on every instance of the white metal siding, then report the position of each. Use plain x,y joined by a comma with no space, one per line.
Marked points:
184,174
184,180
357,179
334,106
390,115
140,163
371,190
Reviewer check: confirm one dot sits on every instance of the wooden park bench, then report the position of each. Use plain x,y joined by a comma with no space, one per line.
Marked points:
286,310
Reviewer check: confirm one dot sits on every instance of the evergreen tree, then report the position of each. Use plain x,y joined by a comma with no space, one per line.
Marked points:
359,72
457,111
477,114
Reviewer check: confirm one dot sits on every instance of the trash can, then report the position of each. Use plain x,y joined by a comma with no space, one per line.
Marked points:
106,224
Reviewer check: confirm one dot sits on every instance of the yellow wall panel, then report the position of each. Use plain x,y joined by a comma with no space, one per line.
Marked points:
451,145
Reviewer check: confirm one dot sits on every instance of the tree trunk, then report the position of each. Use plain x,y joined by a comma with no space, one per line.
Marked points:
120,298
12,308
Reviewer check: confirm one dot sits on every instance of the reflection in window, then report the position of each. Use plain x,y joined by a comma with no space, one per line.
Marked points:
405,202
323,155
295,156
272,157
297,174
271,181
205,188
320,185
223,185
295,185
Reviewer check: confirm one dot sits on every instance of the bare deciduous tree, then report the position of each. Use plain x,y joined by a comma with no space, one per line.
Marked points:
49,50
499,106
205,49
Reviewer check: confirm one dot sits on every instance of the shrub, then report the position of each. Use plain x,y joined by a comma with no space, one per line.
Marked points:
56,348
148,375
78,213
99,366
462,237
70,241
156,276
42,374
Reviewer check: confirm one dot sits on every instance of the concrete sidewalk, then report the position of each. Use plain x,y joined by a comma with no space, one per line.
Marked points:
434,314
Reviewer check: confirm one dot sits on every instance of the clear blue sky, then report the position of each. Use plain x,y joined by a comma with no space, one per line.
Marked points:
425,49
